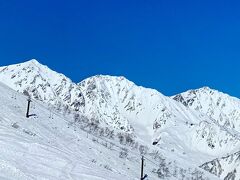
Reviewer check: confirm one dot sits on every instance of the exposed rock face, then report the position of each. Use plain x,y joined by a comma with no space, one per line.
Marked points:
227,168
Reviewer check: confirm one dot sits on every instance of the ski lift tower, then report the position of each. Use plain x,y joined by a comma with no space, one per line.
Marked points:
28,107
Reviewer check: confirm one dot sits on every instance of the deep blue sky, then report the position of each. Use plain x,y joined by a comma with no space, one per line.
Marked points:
168,45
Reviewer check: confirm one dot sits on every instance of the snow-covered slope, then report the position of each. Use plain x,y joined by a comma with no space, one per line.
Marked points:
227,168
44,146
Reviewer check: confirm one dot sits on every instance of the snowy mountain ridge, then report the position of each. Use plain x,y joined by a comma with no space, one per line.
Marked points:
199,125
219,106
41,83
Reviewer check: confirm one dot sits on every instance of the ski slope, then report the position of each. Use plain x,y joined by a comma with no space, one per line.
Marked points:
40,147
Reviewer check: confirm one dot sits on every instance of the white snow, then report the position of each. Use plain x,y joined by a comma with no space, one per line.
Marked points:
45,146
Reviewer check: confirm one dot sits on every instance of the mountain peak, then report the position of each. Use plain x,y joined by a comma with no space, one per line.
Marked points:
201,89
35,61
221,107
207,89
40,82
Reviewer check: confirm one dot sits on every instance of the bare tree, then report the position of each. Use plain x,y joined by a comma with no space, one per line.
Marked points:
123,153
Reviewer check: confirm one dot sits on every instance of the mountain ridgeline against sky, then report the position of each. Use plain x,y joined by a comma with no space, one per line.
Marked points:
200,126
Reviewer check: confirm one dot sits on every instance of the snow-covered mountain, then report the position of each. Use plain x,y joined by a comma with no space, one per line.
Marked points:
45,146
219,106
151,115
42,84
195,127
225,111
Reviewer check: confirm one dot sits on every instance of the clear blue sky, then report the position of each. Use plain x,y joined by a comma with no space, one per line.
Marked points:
168,45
